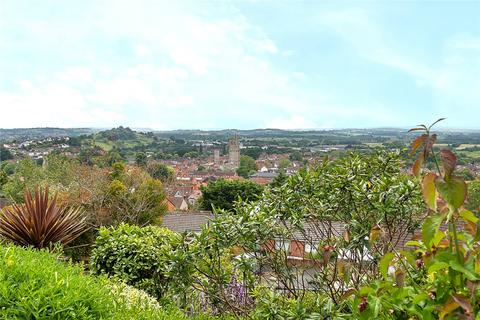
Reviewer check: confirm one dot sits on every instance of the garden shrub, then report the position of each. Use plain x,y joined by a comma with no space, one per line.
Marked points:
441,278
37,285
139,256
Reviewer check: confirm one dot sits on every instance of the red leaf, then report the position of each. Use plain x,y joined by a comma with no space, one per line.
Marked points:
418,142
449,161
465,304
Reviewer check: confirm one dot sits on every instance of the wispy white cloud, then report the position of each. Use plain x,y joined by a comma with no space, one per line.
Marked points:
175,64
454,77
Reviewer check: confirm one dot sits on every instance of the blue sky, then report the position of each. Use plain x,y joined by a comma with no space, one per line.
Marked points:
241,64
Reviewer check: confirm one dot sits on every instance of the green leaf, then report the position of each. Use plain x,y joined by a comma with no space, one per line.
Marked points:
430,228
438,237
453,191
385,263
413,243
365,291
438,120
470,275
420,297
468,216
437,265
429,191
377,305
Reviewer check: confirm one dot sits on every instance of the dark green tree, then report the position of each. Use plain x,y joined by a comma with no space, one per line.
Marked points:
283,164
296,156
222,193
114,156
160,171
141,159
279,180
254,152
247,166
5,154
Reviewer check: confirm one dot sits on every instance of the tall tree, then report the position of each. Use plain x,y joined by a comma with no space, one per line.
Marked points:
247,166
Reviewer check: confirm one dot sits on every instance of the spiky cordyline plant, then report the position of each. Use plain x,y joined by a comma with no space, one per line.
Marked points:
40,222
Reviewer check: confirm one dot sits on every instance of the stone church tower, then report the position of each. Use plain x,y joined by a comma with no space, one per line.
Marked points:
216,156
234,152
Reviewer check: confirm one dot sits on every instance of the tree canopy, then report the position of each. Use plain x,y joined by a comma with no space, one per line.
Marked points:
222,194
247,166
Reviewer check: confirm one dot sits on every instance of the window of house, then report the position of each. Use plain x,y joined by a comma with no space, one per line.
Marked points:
282,245
310,247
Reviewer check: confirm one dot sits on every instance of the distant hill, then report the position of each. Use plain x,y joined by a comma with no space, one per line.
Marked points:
140,139
117,134
22,134
122,138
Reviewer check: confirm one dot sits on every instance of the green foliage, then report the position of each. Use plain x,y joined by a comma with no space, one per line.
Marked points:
439,280
283,164
222,194
5,154
138,256
141,159
191,154
473,202
160,171
3,179
119,133
37,285
466,174
118,170
358,192
279,180
247,166
113,156
135,198
295,156
254,152
274,305
57,172
26,176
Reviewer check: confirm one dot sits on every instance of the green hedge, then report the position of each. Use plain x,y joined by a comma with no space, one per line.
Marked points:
37,285
139,256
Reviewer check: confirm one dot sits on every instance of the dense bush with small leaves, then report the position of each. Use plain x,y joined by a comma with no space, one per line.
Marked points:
139,256
39,285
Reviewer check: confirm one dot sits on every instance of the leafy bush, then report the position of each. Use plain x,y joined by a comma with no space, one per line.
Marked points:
40,222
37,285
441,278
138,256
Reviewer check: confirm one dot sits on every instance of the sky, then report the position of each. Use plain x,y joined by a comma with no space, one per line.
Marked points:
239,64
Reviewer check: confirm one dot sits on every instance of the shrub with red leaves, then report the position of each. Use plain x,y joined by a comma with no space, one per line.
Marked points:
39,221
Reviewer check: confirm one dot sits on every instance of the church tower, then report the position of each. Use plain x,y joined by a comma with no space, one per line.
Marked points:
234,152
